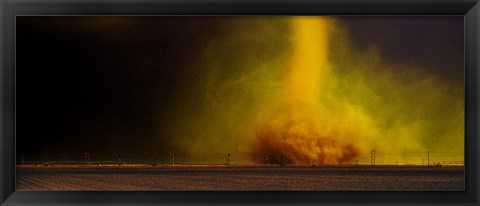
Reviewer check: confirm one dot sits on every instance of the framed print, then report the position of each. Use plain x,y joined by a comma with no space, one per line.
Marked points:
257,102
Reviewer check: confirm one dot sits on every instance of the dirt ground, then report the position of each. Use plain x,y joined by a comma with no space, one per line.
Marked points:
251,178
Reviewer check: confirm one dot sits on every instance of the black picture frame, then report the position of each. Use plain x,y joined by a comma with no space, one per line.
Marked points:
9,9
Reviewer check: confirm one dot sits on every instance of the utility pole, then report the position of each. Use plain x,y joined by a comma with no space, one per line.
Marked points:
87,158
47,157
172,157
119,159
373,154
281,160
428,158
267,157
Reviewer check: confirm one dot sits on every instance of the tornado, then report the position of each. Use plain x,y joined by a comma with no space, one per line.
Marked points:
301,130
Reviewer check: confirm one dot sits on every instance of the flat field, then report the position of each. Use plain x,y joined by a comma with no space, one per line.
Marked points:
251,178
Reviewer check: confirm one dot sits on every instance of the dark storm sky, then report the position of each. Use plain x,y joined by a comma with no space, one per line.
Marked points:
109,84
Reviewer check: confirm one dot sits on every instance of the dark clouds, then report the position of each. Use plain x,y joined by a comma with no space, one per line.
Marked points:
432,42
